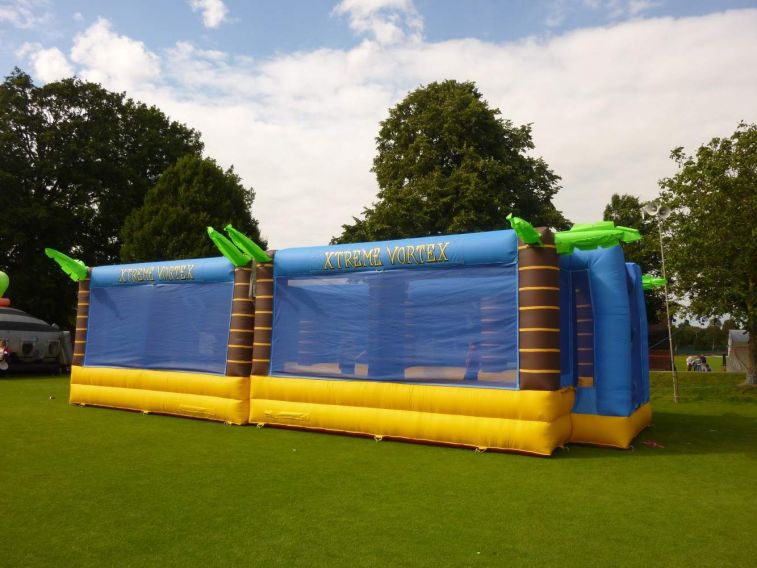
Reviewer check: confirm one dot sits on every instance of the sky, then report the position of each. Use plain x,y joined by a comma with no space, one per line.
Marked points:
291,93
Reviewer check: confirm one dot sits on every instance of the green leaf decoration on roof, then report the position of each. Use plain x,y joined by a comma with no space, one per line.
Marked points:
4,282
246,244
76,269
524,230
227,248
649,282
589,236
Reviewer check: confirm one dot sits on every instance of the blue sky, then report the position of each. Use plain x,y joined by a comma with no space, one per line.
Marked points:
262,29
291,93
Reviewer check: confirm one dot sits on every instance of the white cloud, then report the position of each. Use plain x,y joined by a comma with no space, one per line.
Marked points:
607,105
613,10
636,7
116,61
556,13
25,14
214,12
387,21
78,17
617,9
47,64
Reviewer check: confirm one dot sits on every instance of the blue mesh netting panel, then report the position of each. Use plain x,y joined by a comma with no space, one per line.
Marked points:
148,318
441,325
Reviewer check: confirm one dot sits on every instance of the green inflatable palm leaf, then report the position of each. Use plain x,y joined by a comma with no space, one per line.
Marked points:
4,281
524,230
629,235
649,282
76,269
246,244
589,236
227,248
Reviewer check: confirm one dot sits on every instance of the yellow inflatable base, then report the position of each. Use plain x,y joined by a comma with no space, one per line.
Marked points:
612,431
195,395
534,422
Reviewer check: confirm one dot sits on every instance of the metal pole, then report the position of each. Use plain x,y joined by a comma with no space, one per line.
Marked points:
667,315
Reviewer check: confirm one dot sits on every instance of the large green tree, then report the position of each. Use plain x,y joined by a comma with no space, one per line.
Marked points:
713,249
191,195
448,163
625,210
75,159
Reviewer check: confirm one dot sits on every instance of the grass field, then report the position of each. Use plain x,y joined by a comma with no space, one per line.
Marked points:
94,487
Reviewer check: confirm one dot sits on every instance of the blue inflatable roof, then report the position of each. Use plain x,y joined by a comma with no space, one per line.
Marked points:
193,270
495,247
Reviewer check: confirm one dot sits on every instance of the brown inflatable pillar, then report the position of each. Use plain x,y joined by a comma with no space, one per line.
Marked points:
82,317
261,349
239,351
539,314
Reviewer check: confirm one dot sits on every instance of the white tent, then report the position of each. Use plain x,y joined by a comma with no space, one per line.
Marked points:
737,360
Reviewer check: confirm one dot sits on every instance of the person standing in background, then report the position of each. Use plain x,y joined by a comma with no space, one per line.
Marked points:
3,355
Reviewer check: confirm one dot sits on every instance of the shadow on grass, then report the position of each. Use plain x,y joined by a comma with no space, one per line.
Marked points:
16,375
677,433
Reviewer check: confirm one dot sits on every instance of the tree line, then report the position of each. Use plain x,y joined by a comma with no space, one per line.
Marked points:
107,179
104,179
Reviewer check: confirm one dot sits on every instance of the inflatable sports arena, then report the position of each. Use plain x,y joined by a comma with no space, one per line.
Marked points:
514,340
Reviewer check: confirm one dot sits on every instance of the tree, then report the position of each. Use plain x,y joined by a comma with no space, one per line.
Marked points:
447,163
700,339
191,195
75,159
625,210
713,249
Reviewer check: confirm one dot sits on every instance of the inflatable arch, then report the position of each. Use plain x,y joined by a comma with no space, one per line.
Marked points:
490,340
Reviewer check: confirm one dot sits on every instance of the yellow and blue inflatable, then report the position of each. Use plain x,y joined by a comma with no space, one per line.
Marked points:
478,340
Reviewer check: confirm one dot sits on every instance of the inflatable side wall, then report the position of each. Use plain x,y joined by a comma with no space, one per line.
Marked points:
419,339
604,346
159,339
